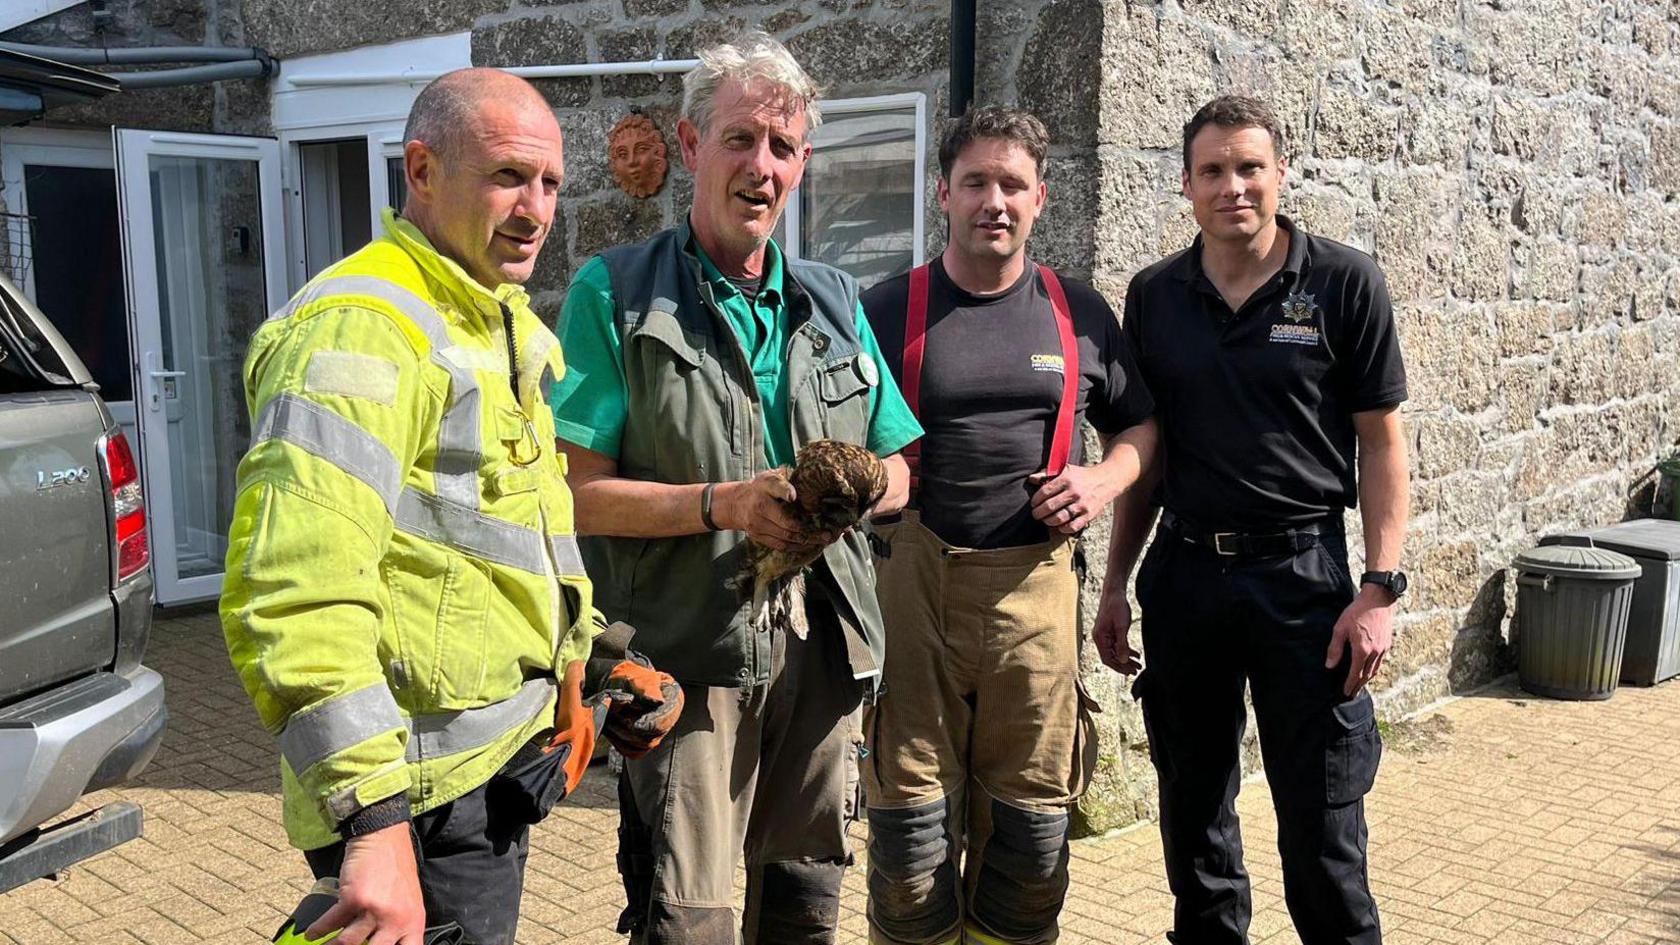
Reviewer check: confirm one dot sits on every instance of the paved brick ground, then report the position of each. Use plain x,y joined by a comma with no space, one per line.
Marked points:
1500,819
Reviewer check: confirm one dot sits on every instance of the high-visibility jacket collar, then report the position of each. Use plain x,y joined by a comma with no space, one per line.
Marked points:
448,272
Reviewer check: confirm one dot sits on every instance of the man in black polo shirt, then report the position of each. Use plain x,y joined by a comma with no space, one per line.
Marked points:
1276,372
981,738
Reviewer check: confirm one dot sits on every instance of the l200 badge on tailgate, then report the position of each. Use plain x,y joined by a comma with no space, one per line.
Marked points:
45,480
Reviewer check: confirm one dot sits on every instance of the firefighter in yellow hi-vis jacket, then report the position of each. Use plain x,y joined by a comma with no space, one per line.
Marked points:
405,601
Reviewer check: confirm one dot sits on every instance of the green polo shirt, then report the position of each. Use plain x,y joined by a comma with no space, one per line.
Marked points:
589,401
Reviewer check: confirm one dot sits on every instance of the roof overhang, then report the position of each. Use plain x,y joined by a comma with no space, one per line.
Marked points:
30,85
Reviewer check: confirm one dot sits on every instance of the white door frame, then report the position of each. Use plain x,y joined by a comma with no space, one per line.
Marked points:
139,220
374,112
377,133
57,147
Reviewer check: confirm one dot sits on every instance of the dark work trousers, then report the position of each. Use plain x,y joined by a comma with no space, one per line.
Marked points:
1210,622
472,867
768,773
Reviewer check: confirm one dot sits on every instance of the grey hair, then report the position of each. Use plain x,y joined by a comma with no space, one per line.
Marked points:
752,56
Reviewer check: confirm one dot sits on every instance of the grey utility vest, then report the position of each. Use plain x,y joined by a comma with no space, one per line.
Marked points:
694,416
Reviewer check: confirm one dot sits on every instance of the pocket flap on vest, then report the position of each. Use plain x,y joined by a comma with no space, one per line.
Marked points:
844,378
663,327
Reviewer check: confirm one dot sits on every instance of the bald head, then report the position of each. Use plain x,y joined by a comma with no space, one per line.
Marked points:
484,162
447,111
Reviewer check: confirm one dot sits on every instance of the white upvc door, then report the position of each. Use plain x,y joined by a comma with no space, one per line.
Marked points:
316,187
204,252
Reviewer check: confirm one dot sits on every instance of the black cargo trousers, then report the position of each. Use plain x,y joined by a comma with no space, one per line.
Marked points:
471,856
1210,622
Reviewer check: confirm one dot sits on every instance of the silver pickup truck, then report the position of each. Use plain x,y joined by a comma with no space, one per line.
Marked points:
78,711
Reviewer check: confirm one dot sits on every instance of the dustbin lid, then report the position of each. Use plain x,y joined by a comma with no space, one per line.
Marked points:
1641,538
1576,561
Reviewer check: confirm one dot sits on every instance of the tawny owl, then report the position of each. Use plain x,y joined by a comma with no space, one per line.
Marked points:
835,484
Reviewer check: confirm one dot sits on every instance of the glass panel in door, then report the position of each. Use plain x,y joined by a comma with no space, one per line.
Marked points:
206,271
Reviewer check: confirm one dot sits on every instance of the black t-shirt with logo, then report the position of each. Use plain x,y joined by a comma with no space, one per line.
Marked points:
1256,406
991,386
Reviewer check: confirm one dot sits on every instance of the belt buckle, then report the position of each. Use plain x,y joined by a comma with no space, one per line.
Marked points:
1219,543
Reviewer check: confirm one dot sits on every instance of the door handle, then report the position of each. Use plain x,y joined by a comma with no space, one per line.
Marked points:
161,383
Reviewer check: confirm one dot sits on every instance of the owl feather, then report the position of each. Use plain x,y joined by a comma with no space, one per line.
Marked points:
834,485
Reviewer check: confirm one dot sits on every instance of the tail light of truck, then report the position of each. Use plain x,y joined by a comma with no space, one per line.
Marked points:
131,552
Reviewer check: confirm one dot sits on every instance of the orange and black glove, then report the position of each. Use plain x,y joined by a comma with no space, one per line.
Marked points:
536,779
643,704
575,726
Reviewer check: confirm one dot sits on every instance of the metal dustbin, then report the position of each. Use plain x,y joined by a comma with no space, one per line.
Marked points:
1572,612
1652,653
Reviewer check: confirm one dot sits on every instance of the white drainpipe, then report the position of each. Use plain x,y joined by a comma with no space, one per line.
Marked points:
567,71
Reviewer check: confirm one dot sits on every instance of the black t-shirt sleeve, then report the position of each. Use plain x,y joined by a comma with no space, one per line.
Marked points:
1375,372
1119,399
1134,404
883,306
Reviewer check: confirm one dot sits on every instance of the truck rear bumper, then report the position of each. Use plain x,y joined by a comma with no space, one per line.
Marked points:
45,852
61,744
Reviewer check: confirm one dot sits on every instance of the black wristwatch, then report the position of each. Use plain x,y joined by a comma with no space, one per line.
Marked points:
1394,581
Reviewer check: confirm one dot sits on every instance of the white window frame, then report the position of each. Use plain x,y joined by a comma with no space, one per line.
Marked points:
875,103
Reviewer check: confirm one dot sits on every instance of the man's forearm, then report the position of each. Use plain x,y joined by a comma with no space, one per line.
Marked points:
633,508
1133,517
1127,454
1137,447
898,486
1383,492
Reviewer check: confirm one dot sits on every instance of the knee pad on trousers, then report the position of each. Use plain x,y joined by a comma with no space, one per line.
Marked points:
1023,874
668,924
912,875
797,902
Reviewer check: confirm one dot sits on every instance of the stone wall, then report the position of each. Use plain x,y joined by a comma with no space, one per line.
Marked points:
1513,167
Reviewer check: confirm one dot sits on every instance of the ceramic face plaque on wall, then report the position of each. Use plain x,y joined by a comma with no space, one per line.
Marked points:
636,154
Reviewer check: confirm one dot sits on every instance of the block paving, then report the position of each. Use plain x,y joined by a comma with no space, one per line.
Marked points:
1498,818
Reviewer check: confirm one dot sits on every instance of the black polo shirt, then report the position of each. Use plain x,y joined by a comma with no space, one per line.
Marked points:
1256,406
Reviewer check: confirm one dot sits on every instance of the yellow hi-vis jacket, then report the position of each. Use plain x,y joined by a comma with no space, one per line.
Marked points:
402,575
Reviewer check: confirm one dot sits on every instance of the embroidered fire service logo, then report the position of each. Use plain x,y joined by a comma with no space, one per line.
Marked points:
1301,310
1300,307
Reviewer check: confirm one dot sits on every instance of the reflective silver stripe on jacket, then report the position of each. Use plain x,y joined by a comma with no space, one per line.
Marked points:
470,531
459,447
320,432
568,558
337,724
449,733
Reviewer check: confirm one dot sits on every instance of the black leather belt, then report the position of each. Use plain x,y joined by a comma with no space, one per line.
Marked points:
1252,544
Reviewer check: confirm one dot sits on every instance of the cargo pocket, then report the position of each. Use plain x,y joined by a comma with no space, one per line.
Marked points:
458,676
1085,747
1354,748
